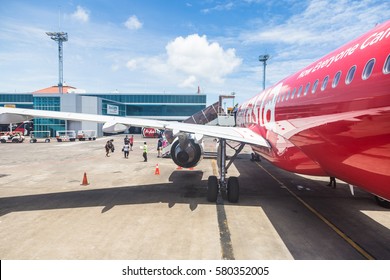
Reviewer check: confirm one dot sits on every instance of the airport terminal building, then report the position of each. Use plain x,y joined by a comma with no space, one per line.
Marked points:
162,106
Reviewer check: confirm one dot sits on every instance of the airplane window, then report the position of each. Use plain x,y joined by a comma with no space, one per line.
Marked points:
336,79
325,83
350,75
293,93
386,67
287,95
299,91
307,88
368,69
313,90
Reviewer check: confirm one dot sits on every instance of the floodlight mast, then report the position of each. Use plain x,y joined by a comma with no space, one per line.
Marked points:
264,58
59,37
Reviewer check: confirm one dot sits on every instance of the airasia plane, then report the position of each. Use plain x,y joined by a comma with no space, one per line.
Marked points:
332,118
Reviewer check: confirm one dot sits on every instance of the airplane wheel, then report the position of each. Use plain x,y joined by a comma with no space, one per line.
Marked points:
233,189
212,189
382,202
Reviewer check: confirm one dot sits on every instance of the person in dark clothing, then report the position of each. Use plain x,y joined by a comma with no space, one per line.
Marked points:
159,147
126,140
109,147
332,182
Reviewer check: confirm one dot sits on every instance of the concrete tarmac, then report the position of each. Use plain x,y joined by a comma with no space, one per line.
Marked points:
128,212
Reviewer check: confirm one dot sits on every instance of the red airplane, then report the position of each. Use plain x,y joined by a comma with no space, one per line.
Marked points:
333,117
330,119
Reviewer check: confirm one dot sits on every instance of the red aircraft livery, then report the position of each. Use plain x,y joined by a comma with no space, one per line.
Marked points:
330,119
333,117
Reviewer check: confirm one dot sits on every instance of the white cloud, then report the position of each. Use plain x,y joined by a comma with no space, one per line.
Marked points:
322,22
223,7
194,55
189,82
133,23
131,64
81,14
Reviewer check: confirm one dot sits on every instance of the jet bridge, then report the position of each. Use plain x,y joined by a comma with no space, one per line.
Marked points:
215,114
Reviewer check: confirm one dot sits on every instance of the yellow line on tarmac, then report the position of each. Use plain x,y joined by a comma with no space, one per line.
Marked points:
326,221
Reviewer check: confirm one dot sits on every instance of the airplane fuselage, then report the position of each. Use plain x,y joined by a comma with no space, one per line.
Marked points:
333,117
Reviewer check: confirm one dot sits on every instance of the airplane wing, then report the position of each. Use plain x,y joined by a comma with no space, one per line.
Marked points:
239,134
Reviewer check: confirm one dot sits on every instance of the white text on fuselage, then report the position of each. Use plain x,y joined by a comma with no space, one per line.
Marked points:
371,40
261,109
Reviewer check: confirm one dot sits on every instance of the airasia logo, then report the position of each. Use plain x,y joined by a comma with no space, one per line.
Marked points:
149,132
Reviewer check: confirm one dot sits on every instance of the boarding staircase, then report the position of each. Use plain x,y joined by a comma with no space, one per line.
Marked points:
212,115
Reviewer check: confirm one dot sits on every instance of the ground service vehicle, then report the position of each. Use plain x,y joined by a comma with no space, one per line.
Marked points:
35,135
66,135
11,138
83,135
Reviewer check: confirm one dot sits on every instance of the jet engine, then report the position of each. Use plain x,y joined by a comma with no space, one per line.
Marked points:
186,152
110,127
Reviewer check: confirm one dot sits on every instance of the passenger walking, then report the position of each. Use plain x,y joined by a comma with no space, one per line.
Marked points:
145,153
159,147
126,140
125,150
332,182
112,145
131,142
109,147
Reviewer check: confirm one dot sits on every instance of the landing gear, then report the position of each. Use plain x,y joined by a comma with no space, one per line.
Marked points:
212,189
222,185
233,189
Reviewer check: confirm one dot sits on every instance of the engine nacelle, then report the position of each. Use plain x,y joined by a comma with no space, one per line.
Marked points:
186,153
12,118
110,127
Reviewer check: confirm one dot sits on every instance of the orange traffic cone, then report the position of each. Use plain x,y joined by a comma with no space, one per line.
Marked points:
157,172
85,180
179,168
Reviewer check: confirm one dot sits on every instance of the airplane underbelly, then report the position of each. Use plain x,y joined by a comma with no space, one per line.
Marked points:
355,151
289,157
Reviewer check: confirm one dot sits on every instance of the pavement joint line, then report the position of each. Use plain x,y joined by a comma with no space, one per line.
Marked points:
363,252
224,232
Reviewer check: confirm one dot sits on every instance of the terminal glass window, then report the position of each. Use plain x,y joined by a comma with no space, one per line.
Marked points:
48,103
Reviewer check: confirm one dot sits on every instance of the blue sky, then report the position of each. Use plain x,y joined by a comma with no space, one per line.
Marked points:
154,46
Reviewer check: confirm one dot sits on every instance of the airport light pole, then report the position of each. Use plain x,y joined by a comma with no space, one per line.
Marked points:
59,37
264,58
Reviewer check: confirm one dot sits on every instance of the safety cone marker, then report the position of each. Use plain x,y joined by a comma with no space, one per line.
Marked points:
157,172
85,180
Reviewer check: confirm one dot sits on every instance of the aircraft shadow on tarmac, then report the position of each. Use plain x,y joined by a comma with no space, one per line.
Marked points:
338,206
258,189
